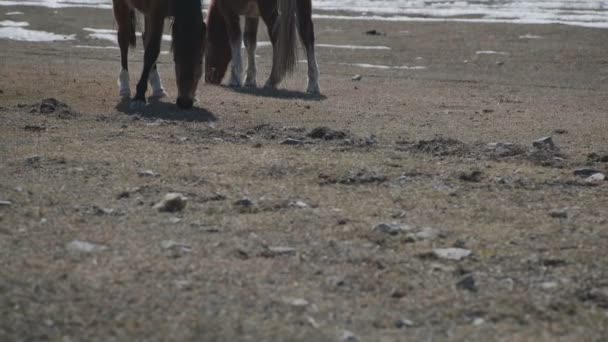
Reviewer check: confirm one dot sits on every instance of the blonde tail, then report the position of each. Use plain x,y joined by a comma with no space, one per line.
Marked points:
285,30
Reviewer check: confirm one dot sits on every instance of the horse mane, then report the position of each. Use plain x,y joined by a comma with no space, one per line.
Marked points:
187,21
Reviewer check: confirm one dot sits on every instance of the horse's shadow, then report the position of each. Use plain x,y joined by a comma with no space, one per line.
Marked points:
156,109
277,93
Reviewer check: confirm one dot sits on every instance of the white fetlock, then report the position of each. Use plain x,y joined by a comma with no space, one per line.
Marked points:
124,89
158,91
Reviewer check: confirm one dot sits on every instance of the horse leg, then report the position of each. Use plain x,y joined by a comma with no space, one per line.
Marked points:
158,91
125,20
235,37
154,32
307,35
270,15
251,40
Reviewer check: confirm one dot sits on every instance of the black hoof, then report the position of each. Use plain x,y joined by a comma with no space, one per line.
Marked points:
184,103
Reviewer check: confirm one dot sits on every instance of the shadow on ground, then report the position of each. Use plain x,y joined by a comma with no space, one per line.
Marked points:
277,93
156,109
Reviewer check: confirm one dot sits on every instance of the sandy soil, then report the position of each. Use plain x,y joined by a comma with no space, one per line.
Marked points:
277,241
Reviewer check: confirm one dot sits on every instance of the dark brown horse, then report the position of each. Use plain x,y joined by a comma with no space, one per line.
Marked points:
281,17
188,45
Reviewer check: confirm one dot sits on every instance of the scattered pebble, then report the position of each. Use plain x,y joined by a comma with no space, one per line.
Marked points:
403,323
298,204
478,321
357,77
558,213
451,253
175,220
290,141
147,173
560,131
601,157
473,176
35,128
175,249
298,302
278,251
85,247
244,202
549,285
596,178
5,203
172,202
31,160
374,33
391,228
467,283
348,336
585,172
426,233
544,143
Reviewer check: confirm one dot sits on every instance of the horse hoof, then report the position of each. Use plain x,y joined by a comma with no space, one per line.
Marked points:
315,91
137,105
159,94
125,93
234,84
184,103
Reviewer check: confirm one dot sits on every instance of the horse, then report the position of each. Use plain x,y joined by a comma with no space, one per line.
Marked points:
188,45
224,40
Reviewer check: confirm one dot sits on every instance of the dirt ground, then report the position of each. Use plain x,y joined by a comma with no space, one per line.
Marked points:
282,240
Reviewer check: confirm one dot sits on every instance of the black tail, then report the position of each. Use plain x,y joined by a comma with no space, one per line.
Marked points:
133,24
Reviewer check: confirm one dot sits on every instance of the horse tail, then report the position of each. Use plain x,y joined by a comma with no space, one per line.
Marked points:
133,27
285,31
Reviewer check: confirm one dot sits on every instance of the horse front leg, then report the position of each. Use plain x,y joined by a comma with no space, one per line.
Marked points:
251,40
307,35
158,91
233,27
125,20
154,32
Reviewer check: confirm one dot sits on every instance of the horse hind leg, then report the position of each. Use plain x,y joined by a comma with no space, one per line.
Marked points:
126,22
156,83
235,37
307,35
250,39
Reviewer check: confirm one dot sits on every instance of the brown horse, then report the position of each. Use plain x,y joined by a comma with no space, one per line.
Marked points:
188,45
224,39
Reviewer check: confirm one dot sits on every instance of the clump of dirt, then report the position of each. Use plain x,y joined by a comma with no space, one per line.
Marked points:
327,133
546,155
55,108
441,146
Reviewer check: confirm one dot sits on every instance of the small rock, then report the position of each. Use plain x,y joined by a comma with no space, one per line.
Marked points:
298,204
175,249
473,176
172,202
391,228
427,233
147,173
585,172
545,143
596,178
397,293
549,285
85,247
275,251
373,33
467,283
451,253
175,220
478,321
5,203
560,131
244,202
348,336
298,302
357,78
290,141
403,323
371,140
103,211
558,213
